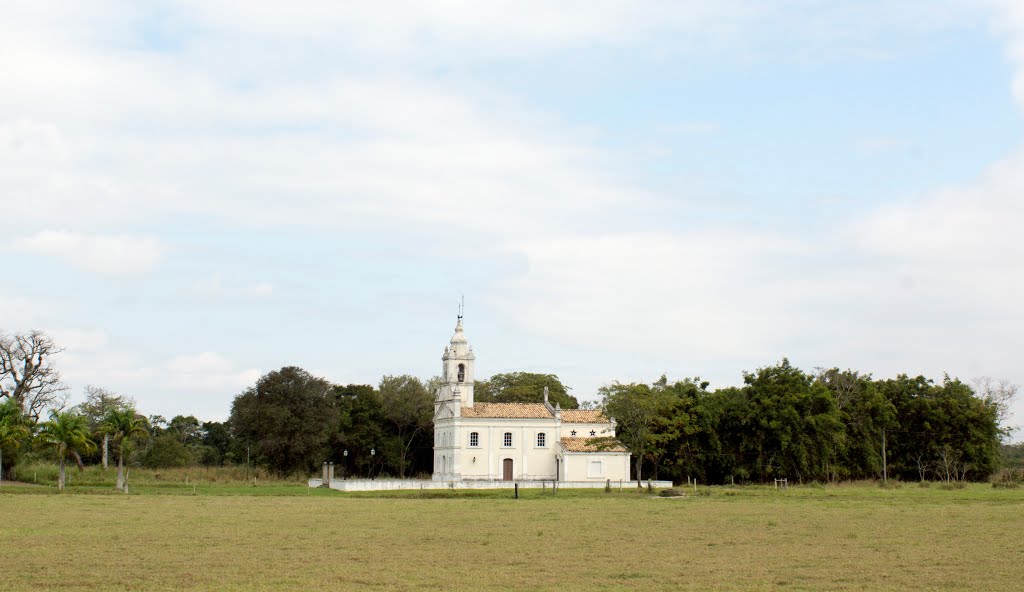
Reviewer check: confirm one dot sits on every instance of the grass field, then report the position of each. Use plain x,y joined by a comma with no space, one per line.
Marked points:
853,537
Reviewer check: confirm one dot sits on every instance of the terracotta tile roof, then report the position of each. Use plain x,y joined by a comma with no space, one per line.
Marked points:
592,445
508,410
583,416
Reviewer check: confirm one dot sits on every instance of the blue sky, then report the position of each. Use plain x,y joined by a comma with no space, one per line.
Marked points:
196,193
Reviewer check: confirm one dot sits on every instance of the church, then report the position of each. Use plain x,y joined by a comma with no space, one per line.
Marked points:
516,441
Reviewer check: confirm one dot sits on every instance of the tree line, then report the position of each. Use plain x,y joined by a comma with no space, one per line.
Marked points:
820,426
782,422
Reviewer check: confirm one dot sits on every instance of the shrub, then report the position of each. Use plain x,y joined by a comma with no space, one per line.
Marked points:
672,492
1008,477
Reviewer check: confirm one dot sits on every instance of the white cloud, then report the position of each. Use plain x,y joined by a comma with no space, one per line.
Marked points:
660,294
78,341
500,27
18,313
260,289
102,137
200,384
216,287
209,370
117,255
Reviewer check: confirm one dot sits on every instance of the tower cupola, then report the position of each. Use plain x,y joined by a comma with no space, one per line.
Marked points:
457,366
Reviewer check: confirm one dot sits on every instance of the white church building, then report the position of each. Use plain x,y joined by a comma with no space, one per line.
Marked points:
516,441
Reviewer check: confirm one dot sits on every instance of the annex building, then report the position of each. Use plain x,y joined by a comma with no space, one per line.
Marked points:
516,441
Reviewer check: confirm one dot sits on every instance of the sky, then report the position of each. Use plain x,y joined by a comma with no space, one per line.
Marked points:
196,193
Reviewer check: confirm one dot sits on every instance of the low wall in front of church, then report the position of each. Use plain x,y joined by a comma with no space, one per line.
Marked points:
413,484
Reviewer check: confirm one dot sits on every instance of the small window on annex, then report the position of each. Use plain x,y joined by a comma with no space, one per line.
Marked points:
508,439
595,468
541,439
474,438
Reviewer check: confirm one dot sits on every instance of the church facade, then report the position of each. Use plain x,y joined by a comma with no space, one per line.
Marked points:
516,441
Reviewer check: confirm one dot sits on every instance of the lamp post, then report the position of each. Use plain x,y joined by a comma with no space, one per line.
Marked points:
373,453
344,465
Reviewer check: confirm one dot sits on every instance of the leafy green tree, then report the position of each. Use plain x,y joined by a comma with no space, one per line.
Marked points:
945,431
676,427
637,409
288,417
66,434
867,417
793,428
524,387
360,427
14,430
720,417
167,450
186,428
218,445
122,425
409,409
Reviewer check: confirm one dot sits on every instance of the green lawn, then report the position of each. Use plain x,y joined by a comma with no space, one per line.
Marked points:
806,538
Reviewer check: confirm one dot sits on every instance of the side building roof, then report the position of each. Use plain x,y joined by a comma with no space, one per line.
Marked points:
592,445
583,416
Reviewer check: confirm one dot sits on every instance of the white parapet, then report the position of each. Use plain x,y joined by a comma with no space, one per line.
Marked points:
413,484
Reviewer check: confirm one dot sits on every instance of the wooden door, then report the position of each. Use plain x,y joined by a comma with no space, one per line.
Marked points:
507,469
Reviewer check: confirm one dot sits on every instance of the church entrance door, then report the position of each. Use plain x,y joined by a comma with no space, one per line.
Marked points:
507,469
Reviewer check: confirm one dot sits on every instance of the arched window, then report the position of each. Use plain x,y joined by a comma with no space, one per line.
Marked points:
474,438
508,440
541,439
462,373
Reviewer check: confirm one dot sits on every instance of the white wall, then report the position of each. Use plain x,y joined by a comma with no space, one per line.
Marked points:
529,461
596,466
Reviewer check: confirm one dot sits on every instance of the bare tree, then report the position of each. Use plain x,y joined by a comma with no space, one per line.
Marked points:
27,375
998,393
922,466
98,403
953,468
844,385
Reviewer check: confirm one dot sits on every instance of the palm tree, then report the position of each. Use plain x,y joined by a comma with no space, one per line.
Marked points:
66,433
12,429
120,425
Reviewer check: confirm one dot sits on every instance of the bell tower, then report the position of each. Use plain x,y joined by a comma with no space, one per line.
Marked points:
455,392
457,369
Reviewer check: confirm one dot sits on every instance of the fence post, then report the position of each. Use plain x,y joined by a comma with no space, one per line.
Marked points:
517,490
